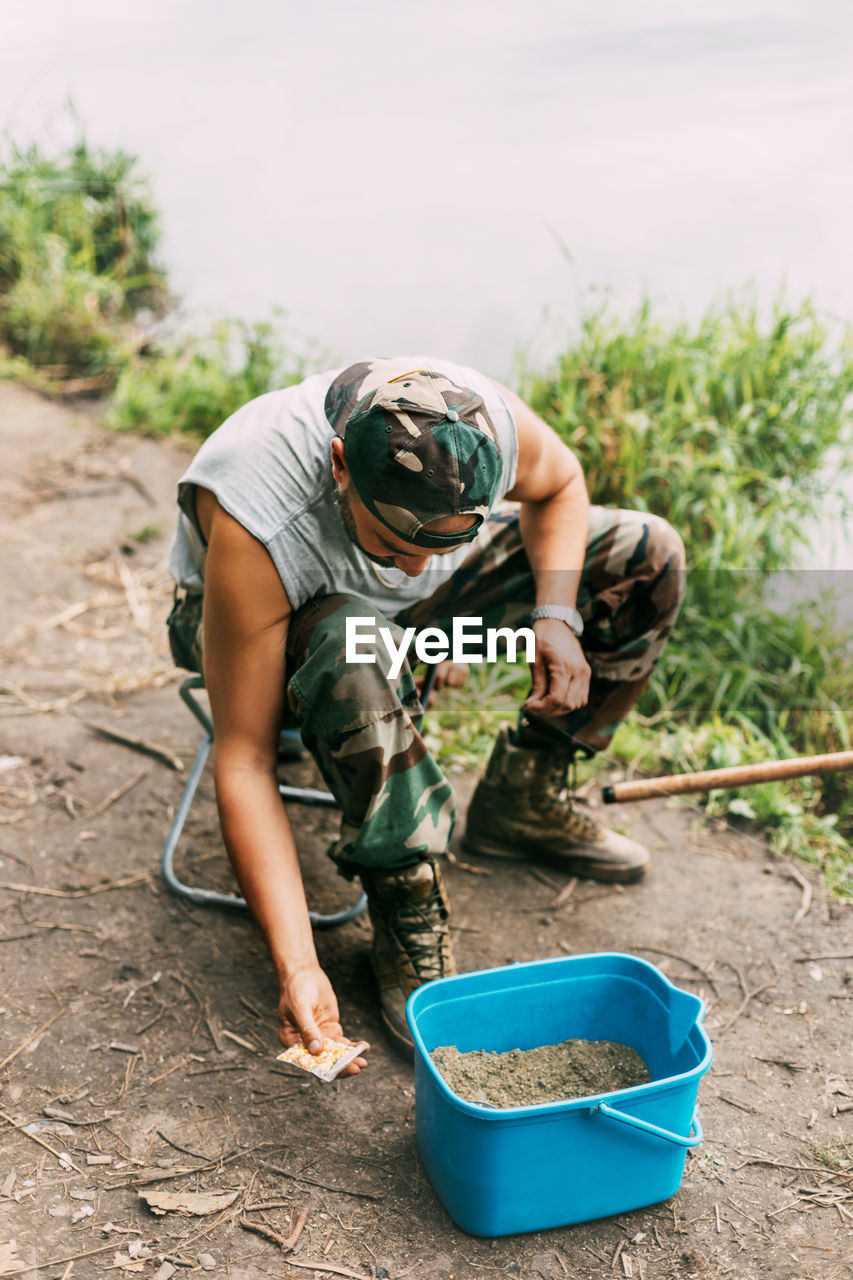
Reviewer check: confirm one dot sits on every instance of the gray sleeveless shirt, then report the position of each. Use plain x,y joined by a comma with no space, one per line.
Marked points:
269,466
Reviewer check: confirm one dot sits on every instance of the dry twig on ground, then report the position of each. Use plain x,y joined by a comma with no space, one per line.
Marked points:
163,754
285,1243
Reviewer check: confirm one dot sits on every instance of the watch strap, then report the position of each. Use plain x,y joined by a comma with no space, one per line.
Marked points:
565,613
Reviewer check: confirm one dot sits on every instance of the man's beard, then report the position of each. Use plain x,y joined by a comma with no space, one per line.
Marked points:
345,508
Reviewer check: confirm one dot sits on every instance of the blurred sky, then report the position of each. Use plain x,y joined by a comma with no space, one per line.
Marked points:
409,177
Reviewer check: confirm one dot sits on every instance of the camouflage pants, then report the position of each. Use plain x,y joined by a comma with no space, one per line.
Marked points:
361,727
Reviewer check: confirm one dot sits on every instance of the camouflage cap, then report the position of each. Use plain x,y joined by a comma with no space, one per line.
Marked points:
417,446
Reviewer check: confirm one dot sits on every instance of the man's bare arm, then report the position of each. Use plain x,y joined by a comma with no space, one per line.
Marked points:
554,519
246,616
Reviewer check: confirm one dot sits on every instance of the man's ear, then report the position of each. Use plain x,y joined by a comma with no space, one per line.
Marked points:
339,466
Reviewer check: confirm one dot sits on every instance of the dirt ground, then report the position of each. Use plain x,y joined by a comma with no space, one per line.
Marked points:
138,1033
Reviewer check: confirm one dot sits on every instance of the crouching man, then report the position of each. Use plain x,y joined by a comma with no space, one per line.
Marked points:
371,492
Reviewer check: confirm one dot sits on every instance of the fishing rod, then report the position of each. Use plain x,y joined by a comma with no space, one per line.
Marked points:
745,775
677,784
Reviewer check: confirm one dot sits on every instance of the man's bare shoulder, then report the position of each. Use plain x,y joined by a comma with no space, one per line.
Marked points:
239,573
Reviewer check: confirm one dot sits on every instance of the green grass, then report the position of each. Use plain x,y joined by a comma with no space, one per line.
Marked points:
793,817
462,723
835,1158
80,290
78,241
724,428
192,385
147,533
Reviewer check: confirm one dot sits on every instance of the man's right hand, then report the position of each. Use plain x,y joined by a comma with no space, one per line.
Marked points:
246,618
308,1012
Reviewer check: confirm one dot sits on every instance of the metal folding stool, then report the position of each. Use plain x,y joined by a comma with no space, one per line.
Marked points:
297,795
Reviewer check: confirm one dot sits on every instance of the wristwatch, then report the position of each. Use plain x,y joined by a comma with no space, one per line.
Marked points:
564,612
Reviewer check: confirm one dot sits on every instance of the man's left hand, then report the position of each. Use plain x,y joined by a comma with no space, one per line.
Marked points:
560,672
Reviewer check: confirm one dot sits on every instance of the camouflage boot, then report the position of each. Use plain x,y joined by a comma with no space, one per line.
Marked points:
521,808
411,942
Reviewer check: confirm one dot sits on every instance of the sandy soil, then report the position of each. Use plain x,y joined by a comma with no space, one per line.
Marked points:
138,1036
547,1073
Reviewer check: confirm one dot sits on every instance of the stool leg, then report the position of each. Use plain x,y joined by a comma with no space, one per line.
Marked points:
233,902
203,897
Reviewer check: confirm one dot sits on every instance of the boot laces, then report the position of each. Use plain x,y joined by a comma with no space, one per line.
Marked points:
419,928
564,776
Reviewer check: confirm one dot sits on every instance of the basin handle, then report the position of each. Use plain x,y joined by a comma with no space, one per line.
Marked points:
692,1140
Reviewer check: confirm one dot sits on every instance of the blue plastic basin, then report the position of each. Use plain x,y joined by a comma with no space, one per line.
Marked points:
527,1168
